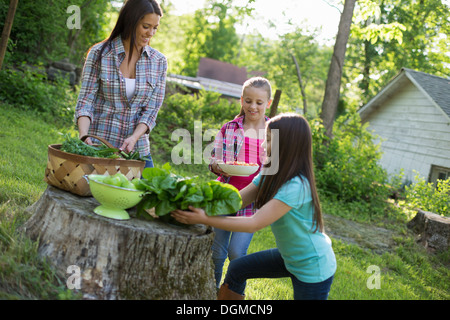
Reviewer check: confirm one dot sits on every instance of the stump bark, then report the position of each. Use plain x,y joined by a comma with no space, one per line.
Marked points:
433,230
131,259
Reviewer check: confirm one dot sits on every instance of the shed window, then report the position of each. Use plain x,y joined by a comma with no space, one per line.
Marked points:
438,172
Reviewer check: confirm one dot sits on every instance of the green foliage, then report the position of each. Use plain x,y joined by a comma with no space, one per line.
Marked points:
181,111
27,89
23,274
40,33
274,58
23,140
393,34
215,34
76,146
347,166
428,196
73,144
171,39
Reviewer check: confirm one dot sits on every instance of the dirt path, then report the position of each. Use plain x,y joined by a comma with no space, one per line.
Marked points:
367,236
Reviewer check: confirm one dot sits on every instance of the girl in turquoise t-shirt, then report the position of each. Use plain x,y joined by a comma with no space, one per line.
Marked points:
287,200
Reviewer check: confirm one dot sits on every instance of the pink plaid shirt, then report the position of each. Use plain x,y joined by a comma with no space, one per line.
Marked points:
103,94
227,145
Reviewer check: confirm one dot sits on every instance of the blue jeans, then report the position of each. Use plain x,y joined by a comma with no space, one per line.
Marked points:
231,244
149,162
270,264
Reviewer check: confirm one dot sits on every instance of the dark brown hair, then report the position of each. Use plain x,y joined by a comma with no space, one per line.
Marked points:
294,160
130,15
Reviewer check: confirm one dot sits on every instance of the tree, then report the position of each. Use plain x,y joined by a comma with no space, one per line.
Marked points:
333,84
135,259
390,34
41,33
171,37
369,29
300,83
274,57
213,34
7,29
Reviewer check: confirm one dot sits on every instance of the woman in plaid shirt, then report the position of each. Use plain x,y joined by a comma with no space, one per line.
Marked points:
240,140
123,82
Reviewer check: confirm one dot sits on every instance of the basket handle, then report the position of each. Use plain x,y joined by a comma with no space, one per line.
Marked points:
109,145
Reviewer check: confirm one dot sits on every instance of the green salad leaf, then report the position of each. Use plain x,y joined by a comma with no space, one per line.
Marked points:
166,192
224,198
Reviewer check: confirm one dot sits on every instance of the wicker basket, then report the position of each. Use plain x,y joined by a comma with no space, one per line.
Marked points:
66,170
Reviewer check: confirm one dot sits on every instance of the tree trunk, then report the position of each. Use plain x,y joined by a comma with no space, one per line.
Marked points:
300,83
7,29
121,259
333,85
365,82
433,230
275,102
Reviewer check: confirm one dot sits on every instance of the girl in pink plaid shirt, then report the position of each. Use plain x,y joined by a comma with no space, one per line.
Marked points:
240,140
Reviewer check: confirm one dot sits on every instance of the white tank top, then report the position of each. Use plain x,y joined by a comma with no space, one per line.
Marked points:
130,86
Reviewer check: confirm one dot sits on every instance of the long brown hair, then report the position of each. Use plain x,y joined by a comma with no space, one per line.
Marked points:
294,159
130,14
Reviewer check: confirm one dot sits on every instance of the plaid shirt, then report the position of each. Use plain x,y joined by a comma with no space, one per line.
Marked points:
227,146
103,94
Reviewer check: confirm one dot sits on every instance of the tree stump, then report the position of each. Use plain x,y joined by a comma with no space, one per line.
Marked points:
433,230
121,259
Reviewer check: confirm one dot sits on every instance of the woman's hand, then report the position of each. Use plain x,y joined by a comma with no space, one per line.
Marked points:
88,141
195,216
128,144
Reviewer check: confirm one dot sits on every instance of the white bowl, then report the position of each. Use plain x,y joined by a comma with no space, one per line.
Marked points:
237,170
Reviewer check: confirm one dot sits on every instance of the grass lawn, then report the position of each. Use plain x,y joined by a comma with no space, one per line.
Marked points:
407,271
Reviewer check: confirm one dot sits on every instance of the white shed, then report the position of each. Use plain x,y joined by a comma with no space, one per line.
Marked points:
411,115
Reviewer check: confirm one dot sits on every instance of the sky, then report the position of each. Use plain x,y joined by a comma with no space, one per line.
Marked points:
308,13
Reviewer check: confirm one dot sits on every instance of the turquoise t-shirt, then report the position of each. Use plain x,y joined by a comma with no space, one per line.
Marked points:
308,255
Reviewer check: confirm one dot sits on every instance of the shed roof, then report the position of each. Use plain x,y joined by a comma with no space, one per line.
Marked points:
215,75
198,83
221,71
437,89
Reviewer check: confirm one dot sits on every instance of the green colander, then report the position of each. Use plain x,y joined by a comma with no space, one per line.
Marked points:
114,200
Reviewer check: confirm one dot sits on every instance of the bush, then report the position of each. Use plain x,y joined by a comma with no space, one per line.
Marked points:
347,166
28,90
429,196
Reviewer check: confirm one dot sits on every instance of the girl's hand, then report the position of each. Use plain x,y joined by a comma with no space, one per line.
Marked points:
195,216
215,168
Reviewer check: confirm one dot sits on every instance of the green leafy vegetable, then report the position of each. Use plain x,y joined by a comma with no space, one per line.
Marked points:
76,146
167,192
